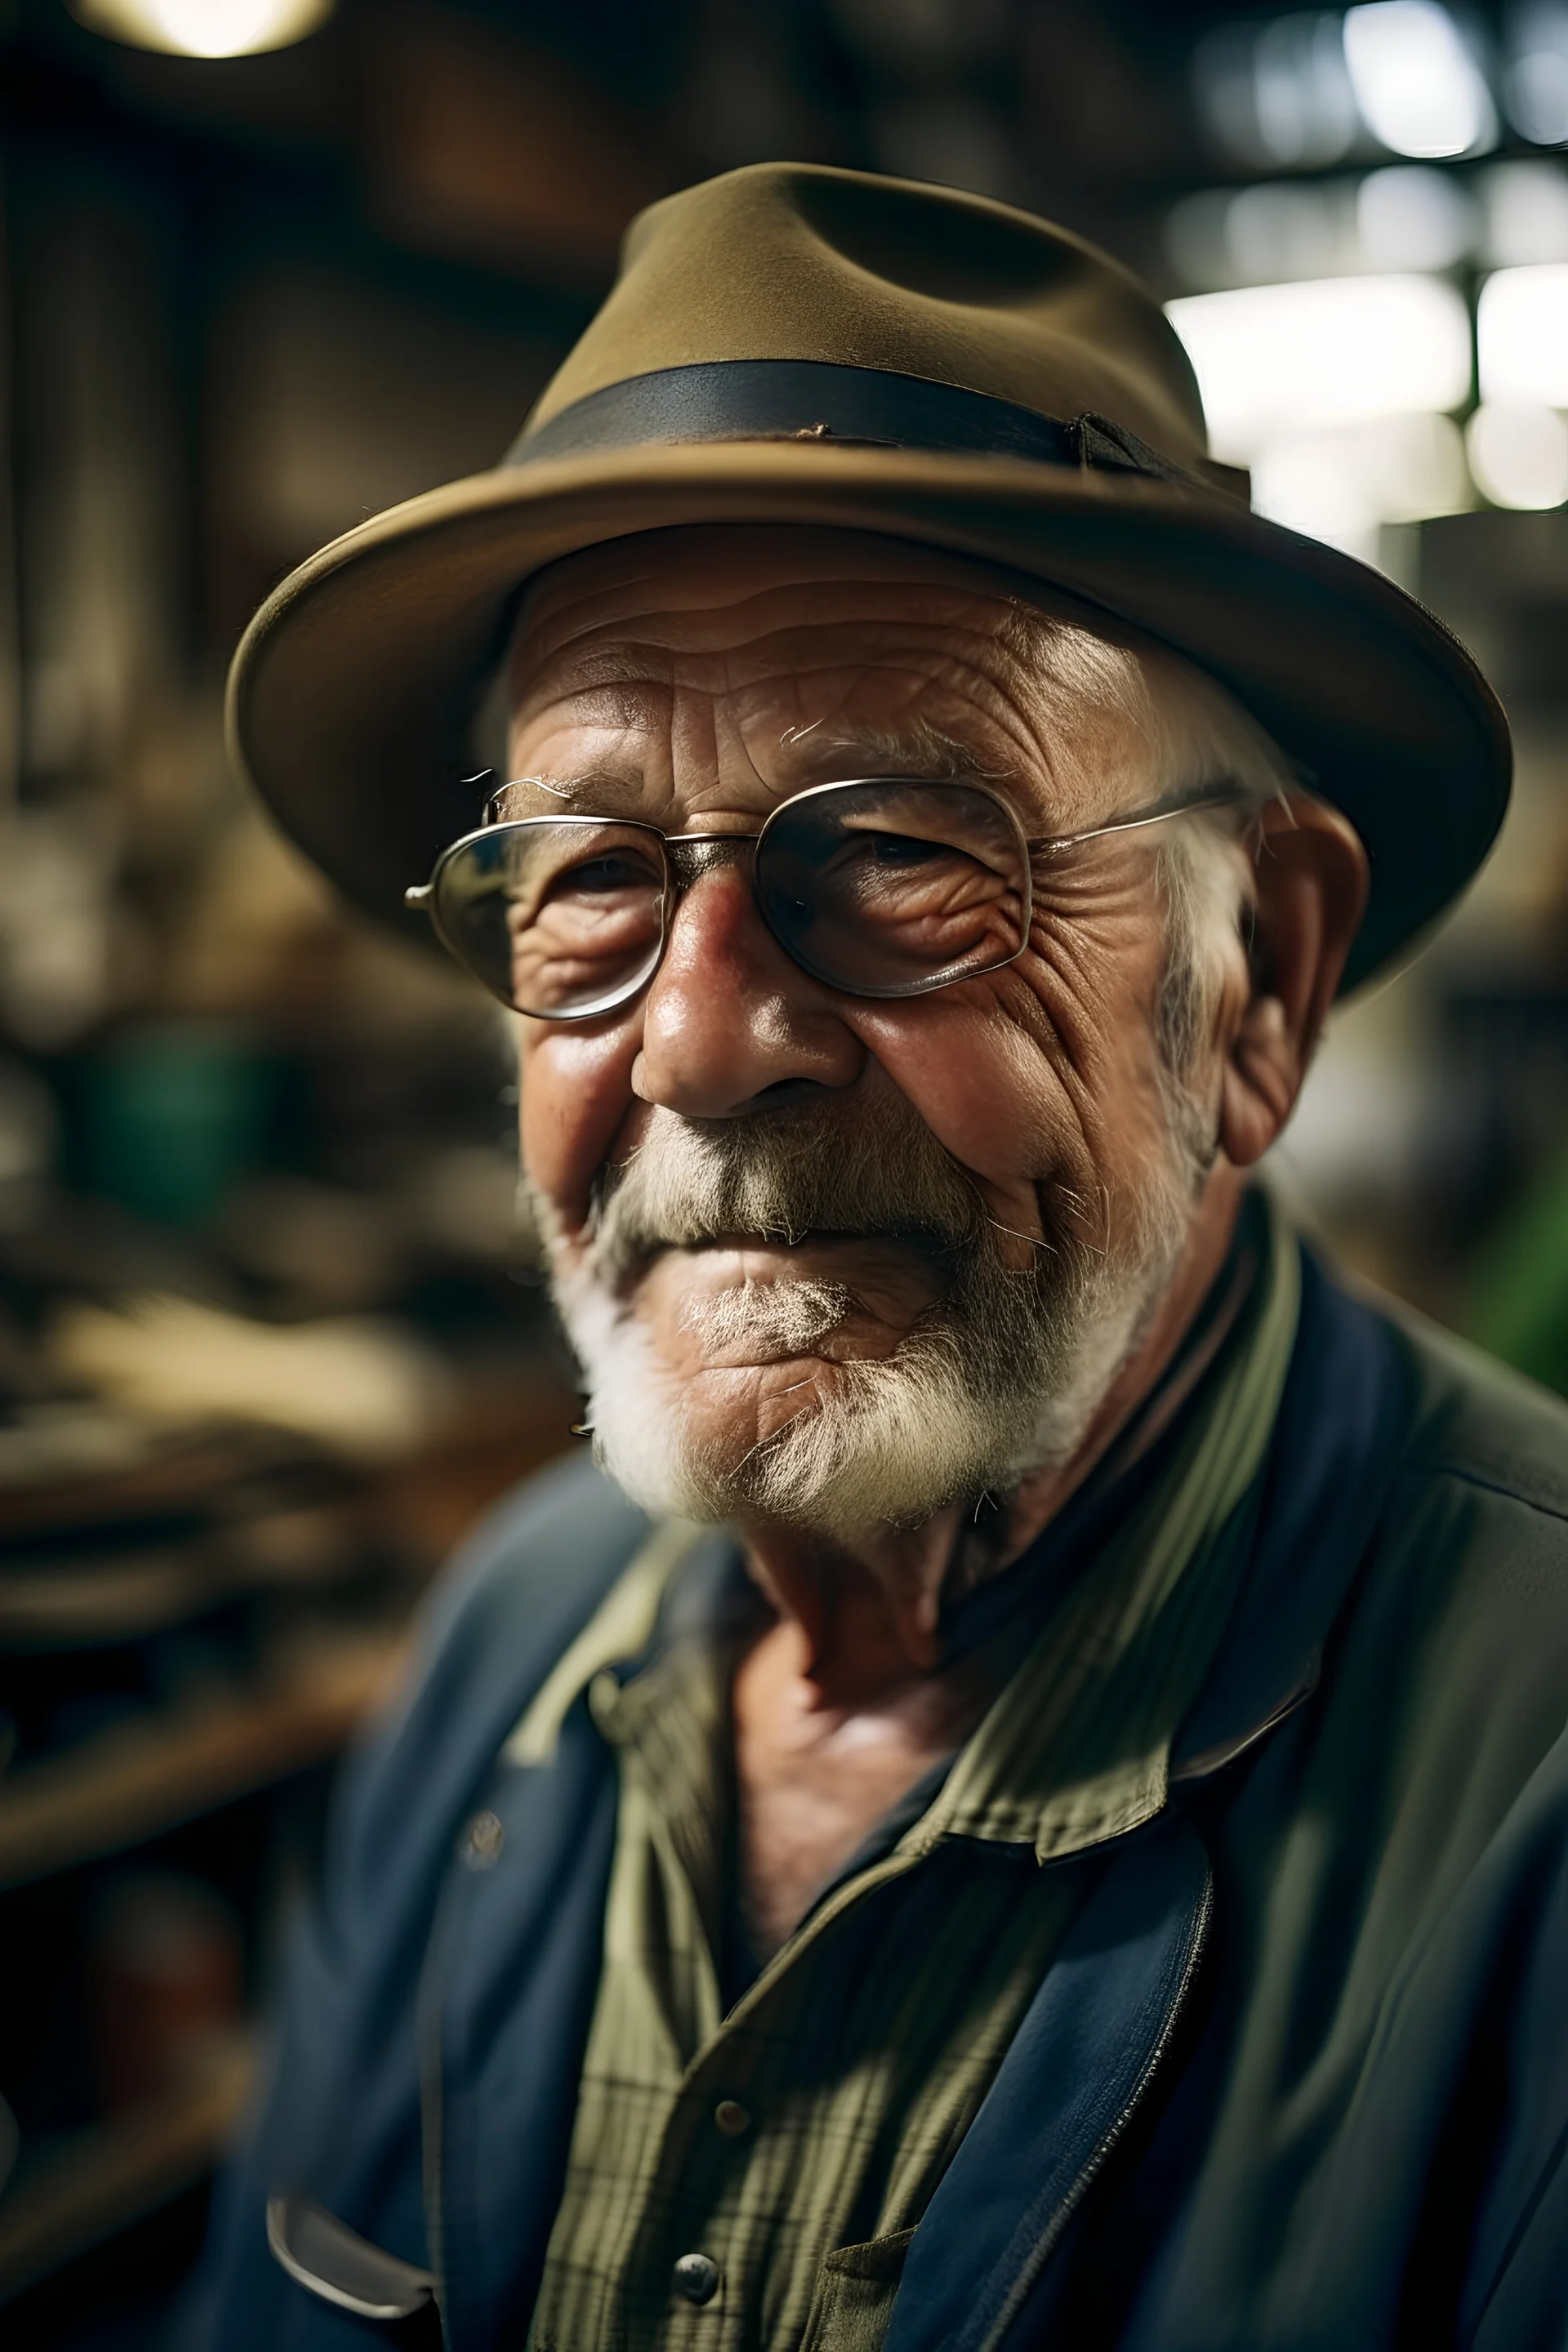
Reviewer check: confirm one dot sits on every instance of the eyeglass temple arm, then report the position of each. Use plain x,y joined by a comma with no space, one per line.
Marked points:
1226,796
419,895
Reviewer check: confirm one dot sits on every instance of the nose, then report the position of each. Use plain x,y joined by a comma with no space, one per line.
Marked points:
730,1024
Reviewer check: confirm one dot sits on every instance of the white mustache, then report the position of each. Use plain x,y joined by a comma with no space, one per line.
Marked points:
876,1171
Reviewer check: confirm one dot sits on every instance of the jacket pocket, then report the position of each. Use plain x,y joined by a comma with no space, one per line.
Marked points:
333,2263
854,2298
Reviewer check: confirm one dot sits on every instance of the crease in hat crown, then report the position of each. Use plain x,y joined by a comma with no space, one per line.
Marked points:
803,261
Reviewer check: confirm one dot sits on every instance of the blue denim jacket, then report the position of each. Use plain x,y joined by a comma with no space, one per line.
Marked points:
1299,2079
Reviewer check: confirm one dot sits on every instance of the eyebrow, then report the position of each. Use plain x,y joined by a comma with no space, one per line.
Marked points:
600,793
922,750
922,754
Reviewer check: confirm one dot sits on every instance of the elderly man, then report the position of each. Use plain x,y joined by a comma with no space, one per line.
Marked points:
1024,1810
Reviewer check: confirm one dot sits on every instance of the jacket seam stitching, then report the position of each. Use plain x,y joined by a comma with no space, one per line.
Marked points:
1491,1485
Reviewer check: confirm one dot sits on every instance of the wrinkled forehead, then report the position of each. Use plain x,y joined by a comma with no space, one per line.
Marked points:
786,630
688,567
693,584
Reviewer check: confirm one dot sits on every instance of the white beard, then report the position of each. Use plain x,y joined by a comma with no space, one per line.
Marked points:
1002,1376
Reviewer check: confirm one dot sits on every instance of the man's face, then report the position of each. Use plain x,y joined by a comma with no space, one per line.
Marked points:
775,1210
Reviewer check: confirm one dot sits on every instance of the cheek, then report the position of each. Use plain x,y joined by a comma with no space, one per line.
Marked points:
989,1077
1045,1076
574,1096
1095,987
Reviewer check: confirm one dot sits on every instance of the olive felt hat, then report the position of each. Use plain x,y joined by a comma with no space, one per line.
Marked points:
790,344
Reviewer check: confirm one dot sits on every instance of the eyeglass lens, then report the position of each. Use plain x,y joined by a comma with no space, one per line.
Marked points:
888,889
881,888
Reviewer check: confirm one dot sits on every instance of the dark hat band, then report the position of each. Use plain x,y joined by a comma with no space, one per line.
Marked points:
819,400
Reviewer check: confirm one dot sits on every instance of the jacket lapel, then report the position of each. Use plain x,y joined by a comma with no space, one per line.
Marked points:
1090,2043
512,1970
1096,2031
510,1985
1347,1403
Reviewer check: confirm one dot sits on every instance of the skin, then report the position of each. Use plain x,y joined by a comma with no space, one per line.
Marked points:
695,678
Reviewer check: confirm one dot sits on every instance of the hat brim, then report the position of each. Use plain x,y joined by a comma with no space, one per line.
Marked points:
353,690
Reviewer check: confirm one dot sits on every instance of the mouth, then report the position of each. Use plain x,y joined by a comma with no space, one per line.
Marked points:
785,1246
818,1253
747,1299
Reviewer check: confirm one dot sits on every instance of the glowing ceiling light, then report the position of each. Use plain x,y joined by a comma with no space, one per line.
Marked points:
1519,454
1305,107
204,29
1522,334
1277,93
1526,206
1418,86
1343,484
1257,235
1330,351
1535,85
1538,96
1409,216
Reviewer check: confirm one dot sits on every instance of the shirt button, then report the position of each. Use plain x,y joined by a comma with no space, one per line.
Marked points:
733,2119
482,1840
696,2276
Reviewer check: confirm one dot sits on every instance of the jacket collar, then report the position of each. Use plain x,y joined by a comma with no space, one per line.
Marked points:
1105,2018
1349,1401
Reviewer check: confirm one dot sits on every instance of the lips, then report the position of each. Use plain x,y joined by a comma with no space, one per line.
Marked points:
786,1257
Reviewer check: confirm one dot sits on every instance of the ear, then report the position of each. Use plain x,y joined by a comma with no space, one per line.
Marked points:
1310,876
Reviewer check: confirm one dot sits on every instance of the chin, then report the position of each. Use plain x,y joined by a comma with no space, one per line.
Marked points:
863,1446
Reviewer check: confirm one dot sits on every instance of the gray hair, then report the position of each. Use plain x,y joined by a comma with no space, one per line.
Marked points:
1162,727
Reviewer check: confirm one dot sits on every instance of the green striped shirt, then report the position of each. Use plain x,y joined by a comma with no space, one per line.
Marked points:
792,2143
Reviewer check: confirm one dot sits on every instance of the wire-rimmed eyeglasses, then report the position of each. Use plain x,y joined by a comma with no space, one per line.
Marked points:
880,885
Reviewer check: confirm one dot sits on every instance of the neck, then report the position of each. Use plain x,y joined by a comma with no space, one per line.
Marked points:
869,1622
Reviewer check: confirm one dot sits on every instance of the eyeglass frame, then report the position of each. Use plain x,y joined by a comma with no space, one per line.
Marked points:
421,897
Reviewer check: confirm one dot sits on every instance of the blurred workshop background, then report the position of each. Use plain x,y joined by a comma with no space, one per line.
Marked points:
270,1333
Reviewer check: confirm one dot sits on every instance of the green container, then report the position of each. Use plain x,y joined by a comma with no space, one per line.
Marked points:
174,1114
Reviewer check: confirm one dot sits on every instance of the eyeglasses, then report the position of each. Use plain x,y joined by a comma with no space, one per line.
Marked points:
883,887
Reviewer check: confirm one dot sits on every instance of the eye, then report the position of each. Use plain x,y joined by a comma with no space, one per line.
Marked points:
903,850
611,871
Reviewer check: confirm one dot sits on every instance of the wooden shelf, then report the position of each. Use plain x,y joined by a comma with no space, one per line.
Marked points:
118,1599
91,1599
138,1779
155,1472
99,2181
